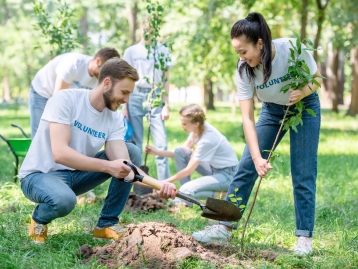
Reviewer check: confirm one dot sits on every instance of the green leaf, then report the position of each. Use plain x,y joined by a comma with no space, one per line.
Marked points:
305,67
236,189
309,42
311,112
296,35
231,195
234,200
316,83
285,88
242,206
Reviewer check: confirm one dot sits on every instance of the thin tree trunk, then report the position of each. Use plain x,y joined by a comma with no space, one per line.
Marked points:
332,76
321,15
132,12
6,85
208,93
84,29
304,19
353,107
340,78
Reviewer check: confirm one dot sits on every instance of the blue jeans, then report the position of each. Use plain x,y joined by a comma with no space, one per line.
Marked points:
136,112
36,105
214,180
55,192
303,148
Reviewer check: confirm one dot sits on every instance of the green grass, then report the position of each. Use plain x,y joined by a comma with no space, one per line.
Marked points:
271,226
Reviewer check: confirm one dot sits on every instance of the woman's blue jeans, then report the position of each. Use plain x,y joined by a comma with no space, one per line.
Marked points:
303,148
55,192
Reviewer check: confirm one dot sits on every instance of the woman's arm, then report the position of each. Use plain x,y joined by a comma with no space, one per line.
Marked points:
158,152
248,118
189,143
298,95
188,170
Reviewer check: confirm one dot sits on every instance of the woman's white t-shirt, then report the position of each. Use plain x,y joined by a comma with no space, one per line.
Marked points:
214,148
270,91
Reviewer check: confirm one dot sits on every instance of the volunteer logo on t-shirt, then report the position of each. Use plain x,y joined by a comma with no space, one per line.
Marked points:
274,81
89,131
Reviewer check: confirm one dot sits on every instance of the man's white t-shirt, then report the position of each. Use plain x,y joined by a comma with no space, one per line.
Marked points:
213,148
72,68
270,91
136,56
89,128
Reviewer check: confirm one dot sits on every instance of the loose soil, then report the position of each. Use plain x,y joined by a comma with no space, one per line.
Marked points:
162,245
148,202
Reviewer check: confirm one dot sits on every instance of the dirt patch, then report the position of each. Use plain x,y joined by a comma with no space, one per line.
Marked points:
148,202
157,245
10,208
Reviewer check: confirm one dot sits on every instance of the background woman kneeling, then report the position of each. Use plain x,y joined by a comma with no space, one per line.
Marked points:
206,150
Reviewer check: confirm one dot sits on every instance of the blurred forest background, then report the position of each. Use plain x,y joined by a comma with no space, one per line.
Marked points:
34,31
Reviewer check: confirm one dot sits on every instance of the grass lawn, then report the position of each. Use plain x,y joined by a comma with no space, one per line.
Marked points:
271,226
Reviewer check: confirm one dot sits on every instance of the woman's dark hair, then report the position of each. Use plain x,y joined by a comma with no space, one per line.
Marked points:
254,27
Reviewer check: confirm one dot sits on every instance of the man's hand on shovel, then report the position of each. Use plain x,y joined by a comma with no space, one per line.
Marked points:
137,176
168,190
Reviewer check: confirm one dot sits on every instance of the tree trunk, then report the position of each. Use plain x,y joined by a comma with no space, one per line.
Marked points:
340,78
353,107
132,14
208,93
5,83
304,19
232,99
321,14
84,29
332,76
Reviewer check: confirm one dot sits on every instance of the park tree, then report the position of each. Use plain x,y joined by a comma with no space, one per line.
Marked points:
202,44
344,25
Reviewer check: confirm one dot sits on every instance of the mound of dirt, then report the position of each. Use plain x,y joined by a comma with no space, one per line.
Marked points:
153,245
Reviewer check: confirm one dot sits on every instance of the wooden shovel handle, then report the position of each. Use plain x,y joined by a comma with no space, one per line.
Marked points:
156,184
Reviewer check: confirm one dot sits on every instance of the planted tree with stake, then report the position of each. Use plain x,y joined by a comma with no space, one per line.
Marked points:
161,60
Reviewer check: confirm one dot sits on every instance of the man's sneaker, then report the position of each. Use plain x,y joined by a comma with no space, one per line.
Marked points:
38,232
304,246
113,232
212,233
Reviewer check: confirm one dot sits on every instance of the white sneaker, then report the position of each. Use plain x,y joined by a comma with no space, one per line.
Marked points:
212,233
304,246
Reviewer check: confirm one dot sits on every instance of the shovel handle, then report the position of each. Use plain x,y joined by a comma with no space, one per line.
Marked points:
157,185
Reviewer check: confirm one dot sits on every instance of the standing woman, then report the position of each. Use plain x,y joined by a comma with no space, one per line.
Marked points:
206,150
263,63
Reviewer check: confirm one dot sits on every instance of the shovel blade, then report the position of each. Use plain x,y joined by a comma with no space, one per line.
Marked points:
221,210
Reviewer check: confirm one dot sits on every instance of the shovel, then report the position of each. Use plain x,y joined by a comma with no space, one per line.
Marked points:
213,209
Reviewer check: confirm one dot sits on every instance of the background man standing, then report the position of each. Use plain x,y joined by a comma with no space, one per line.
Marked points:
136,56
69,70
